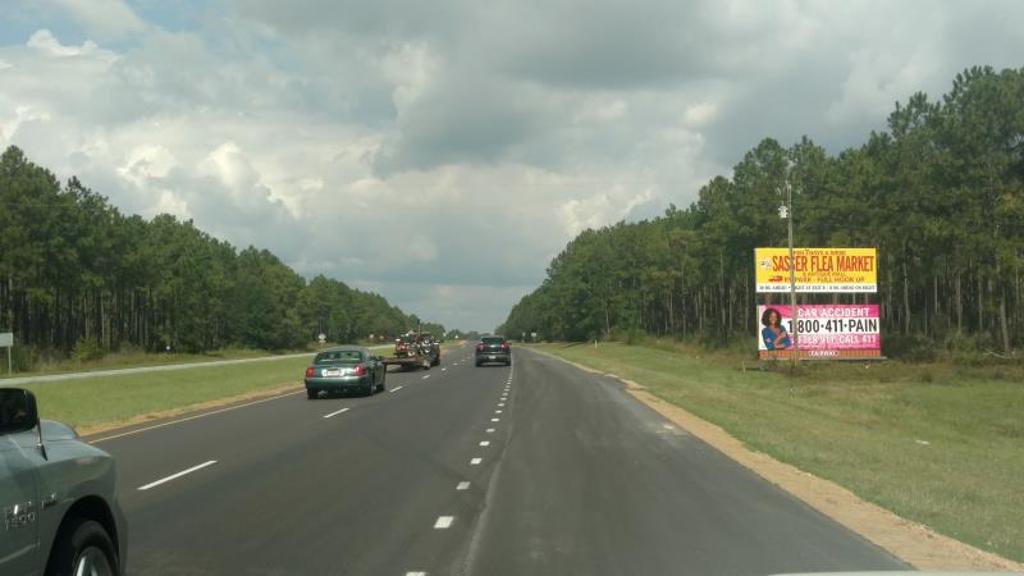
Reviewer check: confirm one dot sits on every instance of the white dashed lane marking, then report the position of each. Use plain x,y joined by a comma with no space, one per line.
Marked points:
495,419
497,411
427,376
462,486
485,443
177,475
475,461
336,412
396,389
415,574
443,522
490,430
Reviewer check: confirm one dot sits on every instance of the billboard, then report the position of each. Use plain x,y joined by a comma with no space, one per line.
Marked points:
817,269
825,331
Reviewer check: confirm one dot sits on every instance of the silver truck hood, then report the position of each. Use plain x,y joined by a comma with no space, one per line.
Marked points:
54,431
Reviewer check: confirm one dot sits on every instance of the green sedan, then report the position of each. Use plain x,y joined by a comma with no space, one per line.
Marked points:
345,369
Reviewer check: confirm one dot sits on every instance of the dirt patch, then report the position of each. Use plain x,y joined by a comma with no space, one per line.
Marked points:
911,542
103,427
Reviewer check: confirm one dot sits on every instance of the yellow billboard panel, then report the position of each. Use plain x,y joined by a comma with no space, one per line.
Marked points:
817,269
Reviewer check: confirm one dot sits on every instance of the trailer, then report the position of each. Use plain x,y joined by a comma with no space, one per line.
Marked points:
415,350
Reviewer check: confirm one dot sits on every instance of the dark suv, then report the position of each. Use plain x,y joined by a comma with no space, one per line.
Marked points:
493,349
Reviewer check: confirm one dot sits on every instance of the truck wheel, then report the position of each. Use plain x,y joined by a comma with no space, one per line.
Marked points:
83,547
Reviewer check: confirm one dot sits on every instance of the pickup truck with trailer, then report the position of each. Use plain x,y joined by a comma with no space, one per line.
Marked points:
415,350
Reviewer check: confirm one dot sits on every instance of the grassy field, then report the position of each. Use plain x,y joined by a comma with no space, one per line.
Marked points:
936,443
134,359
109,399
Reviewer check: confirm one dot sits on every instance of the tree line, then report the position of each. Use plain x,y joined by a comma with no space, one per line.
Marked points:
74,269
939,193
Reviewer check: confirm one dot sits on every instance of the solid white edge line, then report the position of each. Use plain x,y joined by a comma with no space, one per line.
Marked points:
395,389
177,475
336,412
475,461
193,417
462,486
443,522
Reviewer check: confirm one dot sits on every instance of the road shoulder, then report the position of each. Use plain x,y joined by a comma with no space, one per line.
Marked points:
106,430
909,541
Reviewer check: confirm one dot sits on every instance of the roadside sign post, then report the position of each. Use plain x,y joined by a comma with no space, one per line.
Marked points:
795,354
7,341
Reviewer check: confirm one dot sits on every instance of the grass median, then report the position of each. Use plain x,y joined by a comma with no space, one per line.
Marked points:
103,402
136,359
939,444
90,404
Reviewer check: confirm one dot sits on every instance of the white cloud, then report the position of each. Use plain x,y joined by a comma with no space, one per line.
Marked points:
699,115
170,203
145,162
45,41
443,152
105,19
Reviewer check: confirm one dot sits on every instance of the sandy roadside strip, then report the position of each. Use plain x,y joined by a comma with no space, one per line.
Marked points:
914,543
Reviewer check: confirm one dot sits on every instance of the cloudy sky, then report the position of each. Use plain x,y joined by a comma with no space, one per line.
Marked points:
442,152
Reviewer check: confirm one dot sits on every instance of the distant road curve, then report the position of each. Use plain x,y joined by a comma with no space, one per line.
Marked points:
159,368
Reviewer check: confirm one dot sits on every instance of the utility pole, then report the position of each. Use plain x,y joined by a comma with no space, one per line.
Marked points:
794,310
786,211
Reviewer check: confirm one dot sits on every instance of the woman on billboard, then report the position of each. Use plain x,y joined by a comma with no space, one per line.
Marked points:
774,333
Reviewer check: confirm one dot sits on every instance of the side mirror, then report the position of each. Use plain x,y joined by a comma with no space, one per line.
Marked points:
18,411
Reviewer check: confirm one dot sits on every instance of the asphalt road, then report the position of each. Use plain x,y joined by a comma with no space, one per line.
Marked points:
538,469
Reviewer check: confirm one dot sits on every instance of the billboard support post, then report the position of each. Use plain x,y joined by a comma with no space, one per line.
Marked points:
795,353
